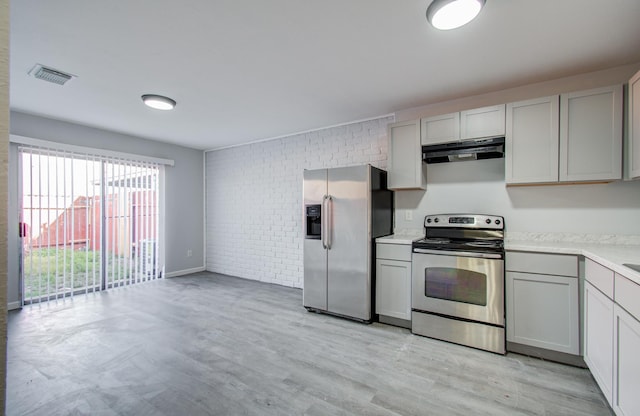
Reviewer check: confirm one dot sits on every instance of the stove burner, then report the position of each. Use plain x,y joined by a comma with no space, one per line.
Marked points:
463,233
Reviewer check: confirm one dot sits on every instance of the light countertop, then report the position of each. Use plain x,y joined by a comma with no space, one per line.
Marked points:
608,254
399,238
612,256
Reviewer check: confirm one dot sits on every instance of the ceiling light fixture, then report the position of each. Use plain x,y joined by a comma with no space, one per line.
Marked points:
158,102
451,14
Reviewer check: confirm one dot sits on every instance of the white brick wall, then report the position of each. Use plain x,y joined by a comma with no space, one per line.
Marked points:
254,197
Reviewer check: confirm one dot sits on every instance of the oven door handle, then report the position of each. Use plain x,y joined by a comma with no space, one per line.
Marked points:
459,253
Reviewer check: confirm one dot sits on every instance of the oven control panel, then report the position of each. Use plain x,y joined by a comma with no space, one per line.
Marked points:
492,222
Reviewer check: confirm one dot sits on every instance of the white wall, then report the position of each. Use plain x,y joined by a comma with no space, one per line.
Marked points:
479,187
254,197
184,184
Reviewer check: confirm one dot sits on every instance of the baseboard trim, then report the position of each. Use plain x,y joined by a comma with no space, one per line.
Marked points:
185,271
390,320
13,305
544,354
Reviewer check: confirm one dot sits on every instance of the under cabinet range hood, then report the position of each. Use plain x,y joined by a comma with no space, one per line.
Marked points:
474,149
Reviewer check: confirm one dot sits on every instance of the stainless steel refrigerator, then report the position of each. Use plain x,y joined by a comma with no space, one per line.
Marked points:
345,209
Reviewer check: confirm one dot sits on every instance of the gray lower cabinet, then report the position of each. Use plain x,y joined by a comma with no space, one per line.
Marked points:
612,336
626,372
393,284
542,299
598,337
626,351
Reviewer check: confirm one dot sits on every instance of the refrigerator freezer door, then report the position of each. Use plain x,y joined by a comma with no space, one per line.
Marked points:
349,277
314,294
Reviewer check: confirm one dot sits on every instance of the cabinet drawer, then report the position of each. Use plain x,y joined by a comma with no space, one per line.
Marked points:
627,295
394,251
599,276
542,263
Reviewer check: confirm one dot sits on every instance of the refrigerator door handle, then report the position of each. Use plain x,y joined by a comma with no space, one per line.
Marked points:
323,222
329,212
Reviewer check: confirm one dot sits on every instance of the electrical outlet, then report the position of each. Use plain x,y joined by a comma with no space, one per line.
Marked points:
408,215
189,253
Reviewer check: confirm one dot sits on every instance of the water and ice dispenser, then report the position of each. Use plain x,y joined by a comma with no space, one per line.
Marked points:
313,222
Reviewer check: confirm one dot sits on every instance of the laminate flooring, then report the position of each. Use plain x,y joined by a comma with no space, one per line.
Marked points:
208,344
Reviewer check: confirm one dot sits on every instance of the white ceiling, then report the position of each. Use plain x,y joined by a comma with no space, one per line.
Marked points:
246,70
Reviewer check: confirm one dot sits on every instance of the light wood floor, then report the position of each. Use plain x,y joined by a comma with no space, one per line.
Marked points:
208,344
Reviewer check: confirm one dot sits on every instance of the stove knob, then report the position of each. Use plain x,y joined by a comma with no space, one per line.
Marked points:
488,221
497,222
428,220
436,220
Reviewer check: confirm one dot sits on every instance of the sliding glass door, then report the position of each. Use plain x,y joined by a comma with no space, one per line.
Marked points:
87,223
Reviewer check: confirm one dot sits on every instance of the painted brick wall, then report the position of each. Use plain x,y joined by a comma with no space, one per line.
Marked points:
254,197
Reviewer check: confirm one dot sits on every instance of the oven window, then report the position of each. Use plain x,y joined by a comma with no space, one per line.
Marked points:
457,285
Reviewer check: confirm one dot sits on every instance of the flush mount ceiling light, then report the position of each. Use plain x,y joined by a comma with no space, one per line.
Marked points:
158,102
450,14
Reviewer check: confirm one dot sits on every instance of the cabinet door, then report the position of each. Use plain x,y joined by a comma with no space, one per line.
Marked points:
440,129
591,135
633,158
626,373
482,122
542,311
532,139
598,338
393,288
405,156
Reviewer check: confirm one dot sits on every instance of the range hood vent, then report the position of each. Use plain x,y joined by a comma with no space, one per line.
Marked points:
50,75
476,149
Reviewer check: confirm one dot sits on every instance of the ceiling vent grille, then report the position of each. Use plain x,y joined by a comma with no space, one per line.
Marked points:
51,75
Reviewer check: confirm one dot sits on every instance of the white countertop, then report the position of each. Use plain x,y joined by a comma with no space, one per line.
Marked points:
399,238
612,256
607,253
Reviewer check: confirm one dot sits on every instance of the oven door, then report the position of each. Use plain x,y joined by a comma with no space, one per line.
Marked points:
453,284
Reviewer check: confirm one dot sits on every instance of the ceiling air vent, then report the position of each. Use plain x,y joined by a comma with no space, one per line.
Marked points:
50,74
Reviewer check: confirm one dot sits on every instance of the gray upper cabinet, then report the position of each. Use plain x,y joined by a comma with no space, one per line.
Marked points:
591,135
633,103
468,124
482,122
405,156
532,141
441,129
574,137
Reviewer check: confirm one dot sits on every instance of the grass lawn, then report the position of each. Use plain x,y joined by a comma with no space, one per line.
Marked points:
56,272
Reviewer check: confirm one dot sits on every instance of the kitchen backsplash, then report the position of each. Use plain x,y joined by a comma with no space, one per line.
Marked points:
574,238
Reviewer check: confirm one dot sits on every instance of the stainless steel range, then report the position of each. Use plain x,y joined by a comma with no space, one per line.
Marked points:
458,281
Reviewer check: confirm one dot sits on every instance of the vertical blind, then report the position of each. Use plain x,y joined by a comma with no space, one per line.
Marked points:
88,223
